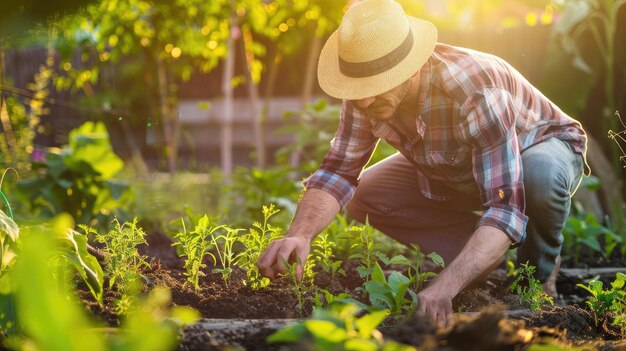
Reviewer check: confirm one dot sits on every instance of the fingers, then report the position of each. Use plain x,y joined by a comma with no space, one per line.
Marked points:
272,261
437,309
267,260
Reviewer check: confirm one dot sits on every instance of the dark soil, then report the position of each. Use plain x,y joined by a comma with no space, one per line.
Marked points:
564,325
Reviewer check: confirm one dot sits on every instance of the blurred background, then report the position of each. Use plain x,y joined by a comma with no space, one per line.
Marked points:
196,94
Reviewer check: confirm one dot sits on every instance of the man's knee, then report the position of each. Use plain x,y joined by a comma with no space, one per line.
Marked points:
545,186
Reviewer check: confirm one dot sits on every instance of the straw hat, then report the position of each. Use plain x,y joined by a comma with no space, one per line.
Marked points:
376,48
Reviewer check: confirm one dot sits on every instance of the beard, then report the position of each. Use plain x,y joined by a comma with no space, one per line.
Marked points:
382,110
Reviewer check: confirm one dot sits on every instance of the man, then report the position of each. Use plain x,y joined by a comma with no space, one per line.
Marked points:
485,162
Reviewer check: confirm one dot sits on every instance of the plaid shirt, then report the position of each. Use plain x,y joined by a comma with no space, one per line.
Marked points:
475,115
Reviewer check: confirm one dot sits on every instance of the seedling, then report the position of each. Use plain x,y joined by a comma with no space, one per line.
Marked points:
299,287
532,294
195,245
390,293
324,298
223,245
123,261
256,241
586,232
323,250
416,273
364,250
339,328
612,300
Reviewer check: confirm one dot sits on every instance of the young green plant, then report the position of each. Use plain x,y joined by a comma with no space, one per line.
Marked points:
299,287
195,246
390,293
341,326
611,300
256,241
123,261
223,245
323,251
364,247
532,293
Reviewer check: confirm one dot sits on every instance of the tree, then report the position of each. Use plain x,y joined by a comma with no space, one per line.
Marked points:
173,39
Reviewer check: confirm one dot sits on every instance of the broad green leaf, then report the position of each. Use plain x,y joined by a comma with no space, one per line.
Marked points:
291,333
9,228
326,330
438,260
400,259
369,322
377,274
48,317
75,250
354,344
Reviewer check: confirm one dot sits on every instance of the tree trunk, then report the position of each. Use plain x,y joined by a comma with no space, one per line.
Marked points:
253,94
167,115
227,90
307,88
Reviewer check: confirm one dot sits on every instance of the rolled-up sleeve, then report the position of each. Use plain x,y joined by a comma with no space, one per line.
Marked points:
490,130
350,150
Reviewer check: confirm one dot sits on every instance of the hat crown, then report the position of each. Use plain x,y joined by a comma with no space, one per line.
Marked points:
371,29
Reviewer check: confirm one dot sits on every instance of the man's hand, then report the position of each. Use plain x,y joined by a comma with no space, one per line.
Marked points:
316,210
288,249
436,305
482,253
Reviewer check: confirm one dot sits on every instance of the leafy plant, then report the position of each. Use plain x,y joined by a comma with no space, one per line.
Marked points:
223,245
390,293
251,188
587,232
416,269
365,250
528,287
611,300
255,242
339,328
9,235
123,261
324,298
299,287
73,247
195,246
78,179
49,320
323,251
416,273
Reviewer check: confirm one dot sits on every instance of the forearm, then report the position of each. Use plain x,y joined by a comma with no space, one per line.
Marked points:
316,210
484,249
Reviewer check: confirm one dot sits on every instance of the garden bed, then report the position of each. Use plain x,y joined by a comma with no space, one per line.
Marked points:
240,317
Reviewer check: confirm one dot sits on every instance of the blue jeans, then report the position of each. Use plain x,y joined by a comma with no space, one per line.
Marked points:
388,194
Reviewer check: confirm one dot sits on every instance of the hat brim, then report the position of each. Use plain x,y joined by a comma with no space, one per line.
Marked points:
340,86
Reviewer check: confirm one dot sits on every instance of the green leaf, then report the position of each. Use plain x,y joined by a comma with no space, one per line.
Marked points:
8,314
377,274
353,344
326,331
370,322
438,260
116,187
289,334
87,266
401,260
